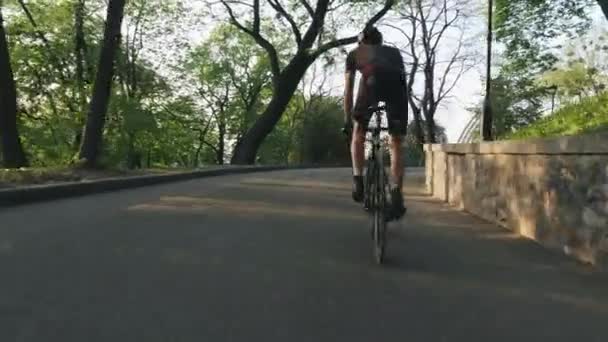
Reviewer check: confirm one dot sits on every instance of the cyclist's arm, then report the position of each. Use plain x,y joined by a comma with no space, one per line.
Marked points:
401,64
402,72
349,85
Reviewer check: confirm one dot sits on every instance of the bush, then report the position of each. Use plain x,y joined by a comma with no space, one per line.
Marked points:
589,115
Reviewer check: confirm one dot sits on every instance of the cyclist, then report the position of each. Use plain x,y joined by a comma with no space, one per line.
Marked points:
382,79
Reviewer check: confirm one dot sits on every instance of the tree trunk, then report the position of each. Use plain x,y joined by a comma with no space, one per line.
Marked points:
604,5
487,119
246,149
79,49
12,150
221,146
430,122
418,127
197,154
430,129
92,140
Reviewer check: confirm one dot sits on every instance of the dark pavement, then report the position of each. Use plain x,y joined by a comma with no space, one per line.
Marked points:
280,256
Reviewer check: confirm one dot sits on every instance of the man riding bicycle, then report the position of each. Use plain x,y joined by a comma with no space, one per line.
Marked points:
382,79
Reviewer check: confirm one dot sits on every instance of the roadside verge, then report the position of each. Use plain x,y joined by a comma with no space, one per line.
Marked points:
46,192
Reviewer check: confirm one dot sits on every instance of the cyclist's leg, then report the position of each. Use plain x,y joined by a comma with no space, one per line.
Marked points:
361,117
357,148
397,116
397,170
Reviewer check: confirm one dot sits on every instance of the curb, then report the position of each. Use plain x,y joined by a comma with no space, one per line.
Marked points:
48,192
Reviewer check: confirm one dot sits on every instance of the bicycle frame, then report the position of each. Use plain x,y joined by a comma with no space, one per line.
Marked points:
376,182
376,140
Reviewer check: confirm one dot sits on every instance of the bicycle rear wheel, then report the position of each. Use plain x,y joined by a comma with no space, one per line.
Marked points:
379,215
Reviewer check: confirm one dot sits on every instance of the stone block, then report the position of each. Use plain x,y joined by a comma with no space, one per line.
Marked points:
428,166
553,191
440,175
456,174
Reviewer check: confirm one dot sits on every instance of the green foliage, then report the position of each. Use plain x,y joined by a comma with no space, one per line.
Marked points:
589,115
233,78
149,122
413,152
52,117
308,133
584,71
530,73
320,140
516,102
577,80
42,175
528,28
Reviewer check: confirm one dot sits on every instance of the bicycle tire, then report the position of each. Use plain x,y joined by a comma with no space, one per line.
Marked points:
379,217
368,183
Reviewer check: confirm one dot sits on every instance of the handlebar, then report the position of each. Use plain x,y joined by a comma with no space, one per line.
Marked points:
347,131
376,109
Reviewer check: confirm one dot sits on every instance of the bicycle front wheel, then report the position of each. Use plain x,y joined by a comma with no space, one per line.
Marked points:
379,217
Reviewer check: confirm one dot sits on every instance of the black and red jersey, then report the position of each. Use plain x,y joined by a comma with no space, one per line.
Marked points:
368,58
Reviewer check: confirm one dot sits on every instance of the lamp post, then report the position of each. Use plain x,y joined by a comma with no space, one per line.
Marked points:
486,119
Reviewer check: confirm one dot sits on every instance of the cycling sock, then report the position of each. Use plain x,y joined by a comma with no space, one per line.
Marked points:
395,186
396,183
358,188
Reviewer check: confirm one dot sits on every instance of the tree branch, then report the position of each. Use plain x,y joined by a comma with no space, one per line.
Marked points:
350,40
317,22
308,7
255,34
202,134
45,41
294,27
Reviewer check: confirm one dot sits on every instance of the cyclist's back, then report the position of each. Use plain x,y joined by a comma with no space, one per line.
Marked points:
369,59
383,79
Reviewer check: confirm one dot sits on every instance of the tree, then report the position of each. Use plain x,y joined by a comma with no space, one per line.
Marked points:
12,150
80,51
604,6
55,48
584,70
574,82
233,80
430,23
286,75
487,113
566,6
413,155
44,66
319,140
304,109
92,140
516,103
529,30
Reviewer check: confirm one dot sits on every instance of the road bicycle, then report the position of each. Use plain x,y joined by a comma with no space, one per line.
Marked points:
376,183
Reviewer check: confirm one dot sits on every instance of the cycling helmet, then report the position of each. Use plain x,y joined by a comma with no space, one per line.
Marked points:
370,35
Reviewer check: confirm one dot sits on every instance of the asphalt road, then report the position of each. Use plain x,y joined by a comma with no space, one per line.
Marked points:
280,256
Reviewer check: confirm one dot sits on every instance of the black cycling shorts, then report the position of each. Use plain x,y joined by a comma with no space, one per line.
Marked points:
382,86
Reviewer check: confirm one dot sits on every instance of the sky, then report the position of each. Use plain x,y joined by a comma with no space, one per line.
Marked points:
453,114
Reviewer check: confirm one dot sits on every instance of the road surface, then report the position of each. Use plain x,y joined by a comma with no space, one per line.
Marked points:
280,256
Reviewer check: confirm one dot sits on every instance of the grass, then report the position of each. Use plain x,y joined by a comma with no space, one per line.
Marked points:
590,115
23,176
37,175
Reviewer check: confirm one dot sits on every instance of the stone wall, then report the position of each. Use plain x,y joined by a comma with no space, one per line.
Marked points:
554,191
